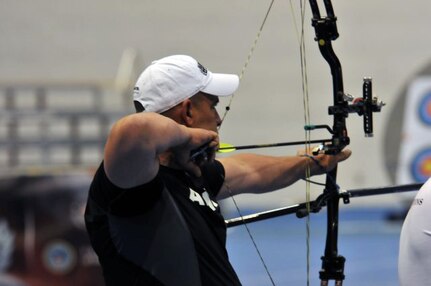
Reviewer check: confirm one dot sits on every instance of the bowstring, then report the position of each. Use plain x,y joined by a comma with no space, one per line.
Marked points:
247,61
305,99
227,109
307,135
304,81
268,273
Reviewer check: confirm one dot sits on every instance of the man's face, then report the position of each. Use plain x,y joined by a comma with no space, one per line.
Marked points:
204,112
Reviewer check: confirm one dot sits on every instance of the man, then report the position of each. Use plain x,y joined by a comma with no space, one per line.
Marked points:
152,212
414,261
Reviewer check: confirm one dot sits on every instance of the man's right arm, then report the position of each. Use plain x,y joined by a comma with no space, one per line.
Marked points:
135,142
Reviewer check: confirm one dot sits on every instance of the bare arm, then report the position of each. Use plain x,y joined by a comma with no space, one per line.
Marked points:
133,147
252,173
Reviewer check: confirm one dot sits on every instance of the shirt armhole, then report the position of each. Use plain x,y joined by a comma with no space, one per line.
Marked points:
130,201
213,174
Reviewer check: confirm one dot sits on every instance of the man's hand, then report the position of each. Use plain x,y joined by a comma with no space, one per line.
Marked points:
324,163
200,140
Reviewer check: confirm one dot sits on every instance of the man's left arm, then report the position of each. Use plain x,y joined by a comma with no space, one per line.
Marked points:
253,173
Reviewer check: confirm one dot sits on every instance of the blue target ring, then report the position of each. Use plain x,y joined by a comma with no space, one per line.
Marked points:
425,109
421,166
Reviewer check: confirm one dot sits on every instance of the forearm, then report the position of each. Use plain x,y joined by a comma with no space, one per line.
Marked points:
135,143
252,173
145,135
149,132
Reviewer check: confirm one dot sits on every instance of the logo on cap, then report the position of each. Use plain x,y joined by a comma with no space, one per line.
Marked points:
204,71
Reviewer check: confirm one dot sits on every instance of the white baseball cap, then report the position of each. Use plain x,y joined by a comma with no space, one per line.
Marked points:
171,80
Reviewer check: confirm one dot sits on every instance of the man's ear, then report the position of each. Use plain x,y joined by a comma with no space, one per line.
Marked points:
187,112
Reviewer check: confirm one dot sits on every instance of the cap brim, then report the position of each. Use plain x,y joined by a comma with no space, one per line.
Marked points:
222,84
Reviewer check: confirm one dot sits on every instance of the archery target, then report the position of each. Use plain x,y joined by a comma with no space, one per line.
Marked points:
421,166
415,146
424,108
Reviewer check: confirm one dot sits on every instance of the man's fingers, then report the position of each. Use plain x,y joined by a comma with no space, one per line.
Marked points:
200,148
193,169
344,154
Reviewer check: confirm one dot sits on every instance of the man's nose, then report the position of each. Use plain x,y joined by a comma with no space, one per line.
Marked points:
218,119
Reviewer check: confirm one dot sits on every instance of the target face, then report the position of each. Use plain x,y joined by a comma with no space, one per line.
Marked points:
425,108
421,166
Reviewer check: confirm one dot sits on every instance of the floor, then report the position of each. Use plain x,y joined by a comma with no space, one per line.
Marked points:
367,239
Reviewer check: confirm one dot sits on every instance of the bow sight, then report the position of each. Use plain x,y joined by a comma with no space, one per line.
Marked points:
364,106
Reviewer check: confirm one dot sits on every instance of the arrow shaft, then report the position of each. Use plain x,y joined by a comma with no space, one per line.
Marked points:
257,146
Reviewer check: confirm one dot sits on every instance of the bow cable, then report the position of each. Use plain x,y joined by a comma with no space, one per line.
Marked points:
247,61
304,79
307,146
227,109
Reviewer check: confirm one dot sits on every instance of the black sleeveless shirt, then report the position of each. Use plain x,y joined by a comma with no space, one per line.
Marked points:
166,232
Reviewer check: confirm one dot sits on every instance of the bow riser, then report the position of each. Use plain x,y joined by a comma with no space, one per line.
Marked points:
326,31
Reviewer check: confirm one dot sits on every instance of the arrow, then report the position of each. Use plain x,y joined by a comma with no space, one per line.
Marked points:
226,148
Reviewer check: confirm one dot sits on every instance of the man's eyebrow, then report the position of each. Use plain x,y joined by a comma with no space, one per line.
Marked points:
213,99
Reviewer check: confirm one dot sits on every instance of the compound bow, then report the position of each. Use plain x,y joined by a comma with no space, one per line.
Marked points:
326,32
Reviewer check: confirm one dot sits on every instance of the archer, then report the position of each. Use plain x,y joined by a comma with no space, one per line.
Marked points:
152,212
